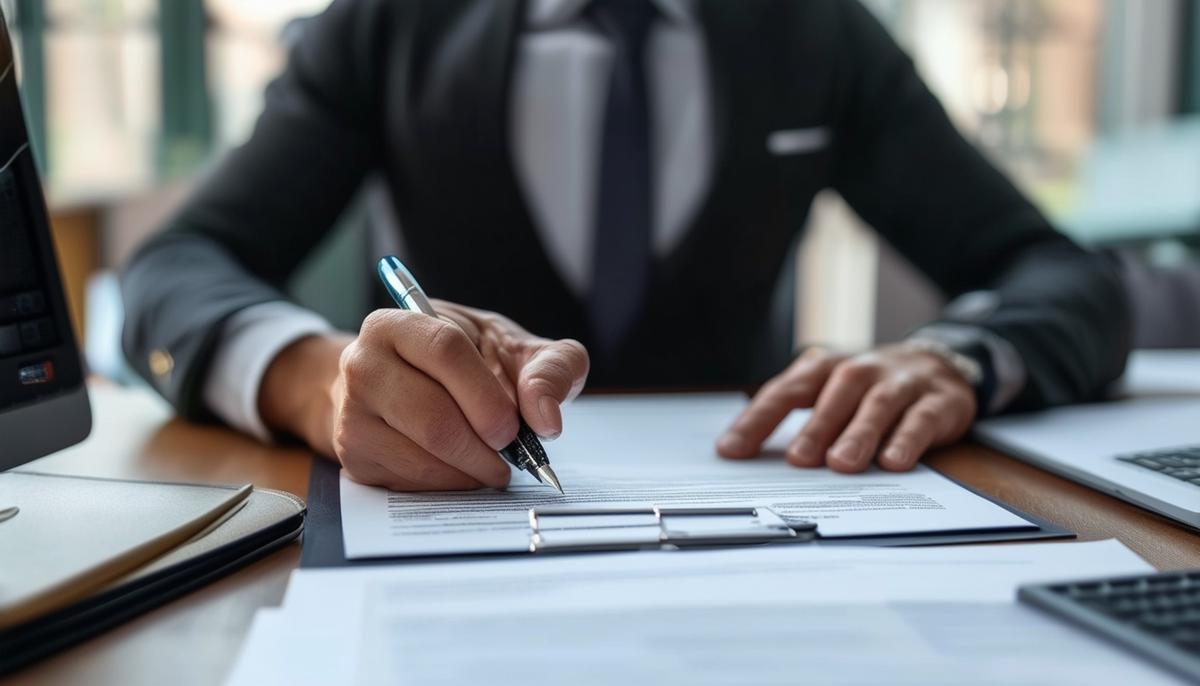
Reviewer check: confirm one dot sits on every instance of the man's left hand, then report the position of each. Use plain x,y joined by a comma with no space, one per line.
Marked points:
889,405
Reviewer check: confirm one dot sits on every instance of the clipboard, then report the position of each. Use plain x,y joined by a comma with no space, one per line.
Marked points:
323,543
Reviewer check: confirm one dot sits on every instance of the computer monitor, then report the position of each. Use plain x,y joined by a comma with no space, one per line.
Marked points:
43,402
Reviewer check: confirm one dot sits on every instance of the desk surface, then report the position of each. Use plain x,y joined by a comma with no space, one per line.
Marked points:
194,640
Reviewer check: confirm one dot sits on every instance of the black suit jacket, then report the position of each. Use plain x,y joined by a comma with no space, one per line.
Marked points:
416,91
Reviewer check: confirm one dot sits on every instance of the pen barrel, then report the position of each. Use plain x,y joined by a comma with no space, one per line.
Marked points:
525,452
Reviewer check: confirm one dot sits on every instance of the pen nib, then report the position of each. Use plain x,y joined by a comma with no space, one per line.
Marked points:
547,476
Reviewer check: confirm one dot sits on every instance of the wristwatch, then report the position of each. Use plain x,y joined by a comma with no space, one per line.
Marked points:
971,359
978,356
968,367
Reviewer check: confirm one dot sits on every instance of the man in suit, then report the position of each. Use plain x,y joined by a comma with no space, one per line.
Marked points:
625,173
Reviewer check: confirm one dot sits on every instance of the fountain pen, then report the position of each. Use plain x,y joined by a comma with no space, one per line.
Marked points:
525,452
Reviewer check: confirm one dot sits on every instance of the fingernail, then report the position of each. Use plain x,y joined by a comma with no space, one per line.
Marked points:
893,457
732,443
801,451
845,454
551,416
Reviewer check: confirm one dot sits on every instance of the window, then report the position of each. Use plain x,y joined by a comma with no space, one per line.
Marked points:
122,93
1019,77
246,49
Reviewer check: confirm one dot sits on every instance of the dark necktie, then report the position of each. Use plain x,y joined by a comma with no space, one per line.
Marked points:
621,247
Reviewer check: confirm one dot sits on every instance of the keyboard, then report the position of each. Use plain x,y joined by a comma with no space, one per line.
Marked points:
1180,463
1157,615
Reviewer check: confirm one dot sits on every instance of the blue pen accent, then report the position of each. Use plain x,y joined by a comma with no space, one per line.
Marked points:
403,286
526,451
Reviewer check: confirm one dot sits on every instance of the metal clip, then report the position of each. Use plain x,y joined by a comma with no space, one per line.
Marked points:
566,529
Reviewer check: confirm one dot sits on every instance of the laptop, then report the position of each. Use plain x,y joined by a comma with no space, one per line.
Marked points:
1142,446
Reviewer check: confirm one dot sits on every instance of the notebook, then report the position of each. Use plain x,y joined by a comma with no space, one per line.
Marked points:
87,553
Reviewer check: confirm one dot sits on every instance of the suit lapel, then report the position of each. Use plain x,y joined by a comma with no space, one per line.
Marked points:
743,56
458,133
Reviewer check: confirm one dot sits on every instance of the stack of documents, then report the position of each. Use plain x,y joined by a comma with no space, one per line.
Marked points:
775,615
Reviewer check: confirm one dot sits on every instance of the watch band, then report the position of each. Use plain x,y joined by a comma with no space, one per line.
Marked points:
971,360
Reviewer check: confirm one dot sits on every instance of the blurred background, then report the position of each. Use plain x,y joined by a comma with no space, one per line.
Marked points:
1093,106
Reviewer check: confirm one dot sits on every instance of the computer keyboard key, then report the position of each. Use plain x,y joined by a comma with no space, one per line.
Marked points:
31,303
37,334
10,340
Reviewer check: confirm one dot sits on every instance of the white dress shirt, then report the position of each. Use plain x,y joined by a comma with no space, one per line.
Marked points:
560,83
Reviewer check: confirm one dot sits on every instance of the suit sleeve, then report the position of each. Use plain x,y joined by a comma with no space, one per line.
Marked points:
904,168
262,209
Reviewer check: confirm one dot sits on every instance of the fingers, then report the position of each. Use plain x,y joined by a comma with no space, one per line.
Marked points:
446,354
796,387
542,374
933,421
839,399
881,408
432,409
377,455
420,411
553,374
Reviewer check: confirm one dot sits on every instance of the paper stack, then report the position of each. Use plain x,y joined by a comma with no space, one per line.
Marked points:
782,615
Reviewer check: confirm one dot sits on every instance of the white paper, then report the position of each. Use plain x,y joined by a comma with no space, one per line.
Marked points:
805,573
283,650
645,451
784,615
921,644
774,616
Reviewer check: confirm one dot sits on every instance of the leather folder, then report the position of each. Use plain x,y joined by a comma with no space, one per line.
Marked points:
86,554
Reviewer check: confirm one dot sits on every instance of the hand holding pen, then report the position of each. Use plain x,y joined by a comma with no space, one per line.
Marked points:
512,348
421,403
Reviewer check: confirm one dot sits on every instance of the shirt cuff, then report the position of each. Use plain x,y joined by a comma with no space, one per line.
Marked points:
1007,365
249,343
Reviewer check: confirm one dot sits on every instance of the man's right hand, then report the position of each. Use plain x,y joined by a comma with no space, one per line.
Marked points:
418,403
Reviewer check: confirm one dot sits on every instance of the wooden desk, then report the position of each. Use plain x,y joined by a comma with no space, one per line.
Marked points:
195,639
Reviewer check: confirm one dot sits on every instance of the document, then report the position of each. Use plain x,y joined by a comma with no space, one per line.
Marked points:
659,450
775,615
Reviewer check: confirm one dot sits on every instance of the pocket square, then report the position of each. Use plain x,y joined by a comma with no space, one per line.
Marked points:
798,141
